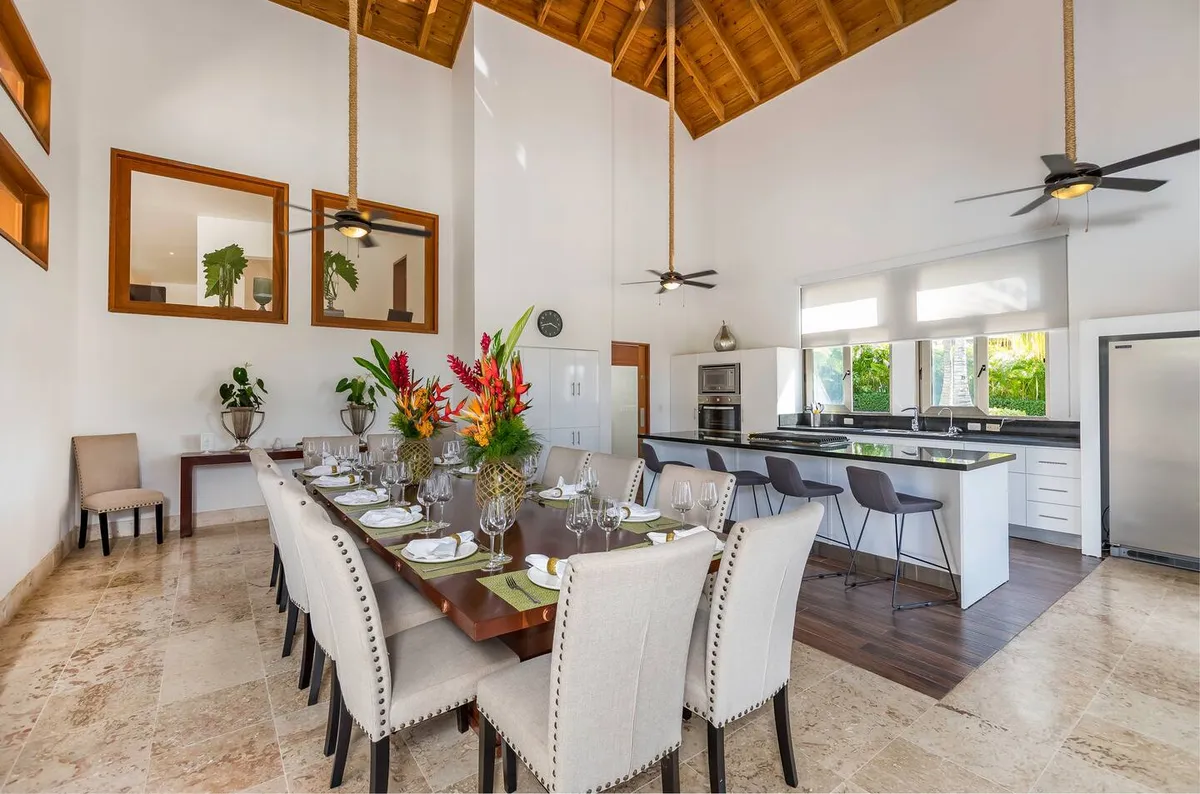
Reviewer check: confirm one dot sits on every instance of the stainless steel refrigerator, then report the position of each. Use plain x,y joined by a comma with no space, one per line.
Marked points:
1151,448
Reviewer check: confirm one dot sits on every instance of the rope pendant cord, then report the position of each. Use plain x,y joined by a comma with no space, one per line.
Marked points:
1069,75
671,136
352,25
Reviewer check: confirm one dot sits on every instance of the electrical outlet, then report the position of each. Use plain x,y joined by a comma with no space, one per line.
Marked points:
993,427
973,426
208,442
849,420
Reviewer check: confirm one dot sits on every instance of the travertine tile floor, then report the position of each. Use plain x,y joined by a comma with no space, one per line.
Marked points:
159,669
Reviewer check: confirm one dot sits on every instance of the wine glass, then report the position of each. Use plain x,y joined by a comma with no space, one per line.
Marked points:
587,482
490,523
579,517
681,498
325,452
445,493
608,518
427,495
529,468
403,479
311,454
708,500
504,511
389,476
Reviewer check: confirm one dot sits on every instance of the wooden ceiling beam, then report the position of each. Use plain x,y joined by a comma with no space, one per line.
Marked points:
835,27
543,12
742,71
775,33
631,28
368,17
656,62
589,19
897,12
701,82
426,24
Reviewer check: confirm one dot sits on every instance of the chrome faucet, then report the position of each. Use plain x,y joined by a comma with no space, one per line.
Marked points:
953,431
916,420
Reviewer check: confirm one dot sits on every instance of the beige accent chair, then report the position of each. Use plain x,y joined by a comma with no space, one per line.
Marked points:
262,463
622,626
564,462
619,478
726,485
741,647
110,481
293,589
389,682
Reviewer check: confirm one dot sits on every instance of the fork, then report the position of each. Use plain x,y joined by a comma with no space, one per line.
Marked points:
512,582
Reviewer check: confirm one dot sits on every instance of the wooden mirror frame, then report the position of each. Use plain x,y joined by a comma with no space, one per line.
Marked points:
323,202
123,165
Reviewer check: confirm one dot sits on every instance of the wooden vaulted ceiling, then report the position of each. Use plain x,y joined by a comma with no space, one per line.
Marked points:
733,54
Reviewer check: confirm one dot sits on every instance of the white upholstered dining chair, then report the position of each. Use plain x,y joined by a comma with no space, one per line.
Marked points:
741,647
726,485
618,477
389,681
564,462
622,627
110,481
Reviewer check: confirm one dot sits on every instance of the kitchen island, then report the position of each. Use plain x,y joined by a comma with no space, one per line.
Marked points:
972,485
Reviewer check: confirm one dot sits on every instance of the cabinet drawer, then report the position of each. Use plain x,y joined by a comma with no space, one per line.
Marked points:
1058,518
1017,465
1056,490
1052,461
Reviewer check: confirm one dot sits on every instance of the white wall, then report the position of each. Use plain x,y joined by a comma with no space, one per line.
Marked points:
269,102
38,376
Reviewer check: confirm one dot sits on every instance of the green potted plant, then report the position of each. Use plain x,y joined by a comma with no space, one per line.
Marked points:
360,404
242,400
338,267
223,269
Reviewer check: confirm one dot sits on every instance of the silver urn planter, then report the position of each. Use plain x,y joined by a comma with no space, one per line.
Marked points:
242,425
358,419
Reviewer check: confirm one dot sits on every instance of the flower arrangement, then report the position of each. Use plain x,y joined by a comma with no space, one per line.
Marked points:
422,406
495,429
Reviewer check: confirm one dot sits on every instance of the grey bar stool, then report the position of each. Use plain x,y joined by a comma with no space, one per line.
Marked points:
785,478
744,478
656,466
873,490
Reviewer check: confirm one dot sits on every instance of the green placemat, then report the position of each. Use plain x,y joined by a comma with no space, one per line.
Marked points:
662,524
434,570
519,601
381,534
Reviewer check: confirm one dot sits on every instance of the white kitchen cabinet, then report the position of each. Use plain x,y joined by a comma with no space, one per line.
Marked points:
684,386
771,385
1053,462
535,361
565,398
587,391
1016,497
576,437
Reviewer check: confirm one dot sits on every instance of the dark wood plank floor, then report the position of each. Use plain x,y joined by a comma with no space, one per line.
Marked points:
932,649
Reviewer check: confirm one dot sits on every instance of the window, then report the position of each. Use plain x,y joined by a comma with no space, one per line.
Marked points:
850,378
24,208
993,375
23,74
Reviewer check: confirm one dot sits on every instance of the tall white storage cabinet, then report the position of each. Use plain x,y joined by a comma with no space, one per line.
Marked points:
565,406
684,386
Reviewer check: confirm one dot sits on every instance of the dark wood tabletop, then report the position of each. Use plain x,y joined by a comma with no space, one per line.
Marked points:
480,613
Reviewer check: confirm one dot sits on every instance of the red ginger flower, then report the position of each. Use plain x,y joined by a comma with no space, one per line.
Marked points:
485,343
398,369
469,377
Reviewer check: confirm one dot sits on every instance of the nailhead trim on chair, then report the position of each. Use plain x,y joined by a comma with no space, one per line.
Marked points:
123,507
637,480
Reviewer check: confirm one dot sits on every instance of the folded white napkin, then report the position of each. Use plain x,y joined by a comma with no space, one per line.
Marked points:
328,460
391,516
560,491
440,548
635,510
446,461
666,537
339,481
545,564
361,497
321,471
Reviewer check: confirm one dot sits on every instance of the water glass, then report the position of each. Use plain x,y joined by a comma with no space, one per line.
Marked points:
427,496
445,493
529,468
579,517
608,518
326,452
312,454
370,472
588,482
708,500
389,476
403,478
681,498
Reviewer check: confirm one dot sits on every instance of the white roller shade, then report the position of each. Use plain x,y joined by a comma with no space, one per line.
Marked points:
1004,290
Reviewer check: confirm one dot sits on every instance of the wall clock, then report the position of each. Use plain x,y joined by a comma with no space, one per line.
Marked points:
550,323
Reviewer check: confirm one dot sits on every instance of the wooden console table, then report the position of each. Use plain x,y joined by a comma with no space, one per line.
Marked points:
188,462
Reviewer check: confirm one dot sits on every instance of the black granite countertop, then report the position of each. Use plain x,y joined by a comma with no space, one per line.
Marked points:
926,455
925,436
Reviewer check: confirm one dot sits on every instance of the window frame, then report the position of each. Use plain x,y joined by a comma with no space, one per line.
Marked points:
35,206
982,402
847,406
122,166
16,41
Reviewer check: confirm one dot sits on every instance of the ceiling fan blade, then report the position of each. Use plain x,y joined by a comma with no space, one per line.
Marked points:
699,274
700,284
306,209
1139,185
368,241
1037,202
414,231
655,273
376,215
661,290
1001,193
1152,157
631,283
1058,164
312,229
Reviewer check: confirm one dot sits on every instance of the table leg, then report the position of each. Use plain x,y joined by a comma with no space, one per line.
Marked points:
185,498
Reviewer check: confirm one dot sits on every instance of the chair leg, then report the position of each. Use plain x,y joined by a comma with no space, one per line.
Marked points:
687,714
274,568
782,499
849,545
104,533
853,569
783,732
650,490
487,755
281,597
380,761
669,766
462,717
83,527
137,522
342,746
290,631
335,707
510,767
158,523
767,493
946,557
314,690
716,759
754,493
307,654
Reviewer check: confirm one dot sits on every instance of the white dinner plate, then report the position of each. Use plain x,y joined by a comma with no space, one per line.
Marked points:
342,500
549,493
322,471
641,518
543,579
391,523
464,551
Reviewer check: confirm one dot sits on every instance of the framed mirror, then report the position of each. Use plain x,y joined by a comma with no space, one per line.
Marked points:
189,241
391,285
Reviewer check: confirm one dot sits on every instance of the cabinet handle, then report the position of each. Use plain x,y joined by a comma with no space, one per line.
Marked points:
1056,518
1053,490
1054,462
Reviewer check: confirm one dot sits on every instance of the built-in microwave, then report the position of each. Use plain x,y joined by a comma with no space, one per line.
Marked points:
721,379
719,413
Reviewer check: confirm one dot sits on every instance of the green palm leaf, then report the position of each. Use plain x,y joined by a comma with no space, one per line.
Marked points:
223,269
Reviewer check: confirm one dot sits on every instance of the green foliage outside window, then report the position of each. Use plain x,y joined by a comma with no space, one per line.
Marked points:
872,378
1017,375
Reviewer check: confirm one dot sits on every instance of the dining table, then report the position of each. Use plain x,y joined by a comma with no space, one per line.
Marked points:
461,590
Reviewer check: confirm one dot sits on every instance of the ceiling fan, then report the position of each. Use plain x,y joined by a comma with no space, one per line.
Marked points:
671,279
1069,178
352,222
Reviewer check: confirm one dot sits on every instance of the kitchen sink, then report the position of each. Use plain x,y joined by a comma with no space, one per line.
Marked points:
891,431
